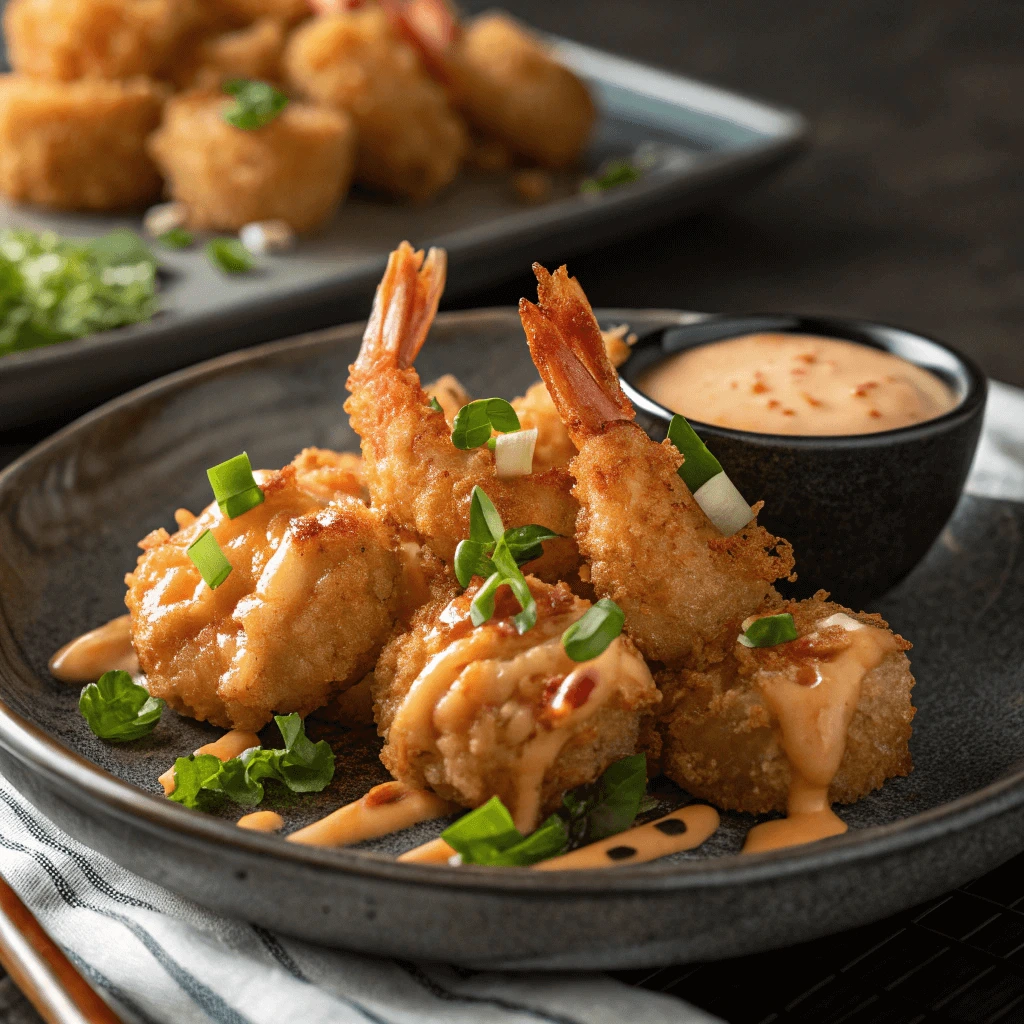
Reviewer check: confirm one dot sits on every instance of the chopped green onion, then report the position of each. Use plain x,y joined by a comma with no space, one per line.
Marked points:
176,238
611,175
234,487
513,453
588,637
230,255
699,465
485,523
208,558
256,103
712,489
475,422
118,709
435,404
769,630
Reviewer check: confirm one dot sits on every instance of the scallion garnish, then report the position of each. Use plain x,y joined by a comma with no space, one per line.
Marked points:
208,558
703,474
769,630
176,238
612,174
118,709
256,103
475,422
496,554
230,255
489,836
234,487
589,636
513,453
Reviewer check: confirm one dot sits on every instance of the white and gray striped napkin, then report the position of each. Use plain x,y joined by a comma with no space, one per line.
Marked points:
161,959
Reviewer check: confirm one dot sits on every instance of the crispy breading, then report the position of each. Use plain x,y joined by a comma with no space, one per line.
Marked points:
474,712
312,596
68,39
722,742
253,52
411,141
78,145
297,168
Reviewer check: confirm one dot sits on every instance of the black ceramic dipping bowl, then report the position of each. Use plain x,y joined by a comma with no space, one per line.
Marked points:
860,510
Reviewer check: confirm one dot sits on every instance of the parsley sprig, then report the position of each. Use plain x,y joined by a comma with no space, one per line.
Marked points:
488,835
496,554
256,103
302,767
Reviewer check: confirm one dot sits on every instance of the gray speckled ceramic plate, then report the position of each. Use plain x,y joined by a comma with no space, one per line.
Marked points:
70,514
707,142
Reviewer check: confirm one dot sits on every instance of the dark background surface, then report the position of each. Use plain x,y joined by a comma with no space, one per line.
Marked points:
909,208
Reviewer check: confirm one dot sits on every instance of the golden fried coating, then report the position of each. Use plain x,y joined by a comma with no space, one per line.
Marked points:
683,586
297,168
309,603
450,395
509,86
411,142
252,52
413,471
289,12
723,741
78,145
477,712
67,39
330,474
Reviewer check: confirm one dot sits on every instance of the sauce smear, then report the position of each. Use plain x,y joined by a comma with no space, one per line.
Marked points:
797,384
814,717
105,649
261,821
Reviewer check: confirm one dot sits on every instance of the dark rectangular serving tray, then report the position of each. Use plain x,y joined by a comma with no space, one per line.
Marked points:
707,142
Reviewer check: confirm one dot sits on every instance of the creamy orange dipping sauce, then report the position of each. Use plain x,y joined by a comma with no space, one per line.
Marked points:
797,384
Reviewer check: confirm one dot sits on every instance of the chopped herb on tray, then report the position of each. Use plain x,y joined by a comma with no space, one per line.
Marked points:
55,289
118,709
229,255
256,103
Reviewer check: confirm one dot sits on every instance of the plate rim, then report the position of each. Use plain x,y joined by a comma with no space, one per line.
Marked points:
44,755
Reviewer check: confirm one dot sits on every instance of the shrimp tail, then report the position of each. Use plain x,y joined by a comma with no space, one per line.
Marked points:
404,307
569,352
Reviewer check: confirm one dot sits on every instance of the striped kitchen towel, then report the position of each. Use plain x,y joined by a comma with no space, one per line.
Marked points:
161,959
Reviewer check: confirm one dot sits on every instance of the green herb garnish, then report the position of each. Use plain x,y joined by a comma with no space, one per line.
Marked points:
589,636
613,174
302,767
208,558
488,835
496,554
230,255
435,404
256,103
475,422
54,289
118,709
177,238
769,630
699,465
234,487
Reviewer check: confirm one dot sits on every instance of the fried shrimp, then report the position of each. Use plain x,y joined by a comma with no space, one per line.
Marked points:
739,732
312,596
413,471
411,141
474,713
683,586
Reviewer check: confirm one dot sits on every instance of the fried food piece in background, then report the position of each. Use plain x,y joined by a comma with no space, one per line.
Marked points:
78,145
297,168
310,601
722,740
450,395
68,39
477,712
289,12
252,52
411,141
413,471
683,586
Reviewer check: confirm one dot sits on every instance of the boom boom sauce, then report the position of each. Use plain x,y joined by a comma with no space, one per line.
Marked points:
797,384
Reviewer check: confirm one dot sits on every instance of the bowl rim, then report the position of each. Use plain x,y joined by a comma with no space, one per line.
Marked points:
63,770
834,327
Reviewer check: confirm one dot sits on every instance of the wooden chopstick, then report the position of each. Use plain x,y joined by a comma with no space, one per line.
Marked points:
36,964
